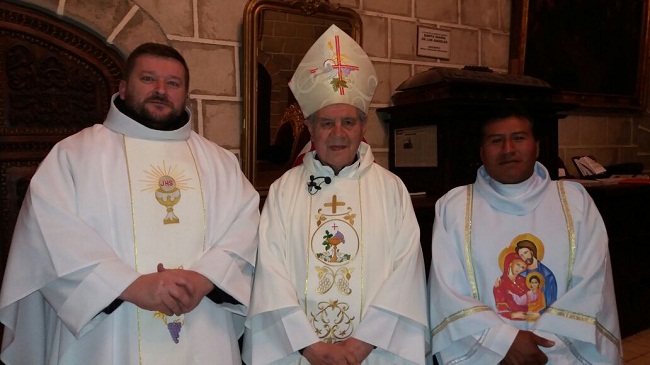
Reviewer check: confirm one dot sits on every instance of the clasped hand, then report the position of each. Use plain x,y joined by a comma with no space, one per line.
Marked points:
348,352
170,291
525,350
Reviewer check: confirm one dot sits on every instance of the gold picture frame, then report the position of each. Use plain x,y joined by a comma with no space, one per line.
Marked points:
266,74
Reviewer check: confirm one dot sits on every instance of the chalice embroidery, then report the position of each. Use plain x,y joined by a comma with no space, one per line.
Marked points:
168,195
332,253
167,184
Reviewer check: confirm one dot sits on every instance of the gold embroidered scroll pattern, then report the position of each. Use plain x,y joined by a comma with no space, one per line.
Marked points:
332,322
335,243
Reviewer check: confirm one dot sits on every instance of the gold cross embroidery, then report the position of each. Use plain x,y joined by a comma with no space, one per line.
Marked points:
334,204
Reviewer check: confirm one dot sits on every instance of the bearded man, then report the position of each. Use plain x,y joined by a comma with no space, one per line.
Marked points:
136,240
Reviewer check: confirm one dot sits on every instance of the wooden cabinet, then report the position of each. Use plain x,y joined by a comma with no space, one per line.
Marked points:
456,102
625,209
458,142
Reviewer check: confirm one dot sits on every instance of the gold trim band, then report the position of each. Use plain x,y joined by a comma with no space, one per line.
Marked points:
587,319
458,315
570,230
468,243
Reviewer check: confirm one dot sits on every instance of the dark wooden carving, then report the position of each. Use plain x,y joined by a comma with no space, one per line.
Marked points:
56,79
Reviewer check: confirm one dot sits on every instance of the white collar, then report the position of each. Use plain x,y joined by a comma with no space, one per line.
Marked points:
120,123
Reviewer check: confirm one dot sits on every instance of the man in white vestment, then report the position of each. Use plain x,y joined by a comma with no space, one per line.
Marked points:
487,299
340,273
137,238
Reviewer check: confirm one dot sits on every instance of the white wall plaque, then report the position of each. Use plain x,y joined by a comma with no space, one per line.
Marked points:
433,42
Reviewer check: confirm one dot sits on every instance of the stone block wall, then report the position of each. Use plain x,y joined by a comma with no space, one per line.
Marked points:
611,139
209,35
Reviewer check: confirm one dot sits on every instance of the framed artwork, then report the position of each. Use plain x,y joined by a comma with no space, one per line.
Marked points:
593,52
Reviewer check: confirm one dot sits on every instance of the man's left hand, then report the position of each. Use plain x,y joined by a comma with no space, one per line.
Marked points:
196,285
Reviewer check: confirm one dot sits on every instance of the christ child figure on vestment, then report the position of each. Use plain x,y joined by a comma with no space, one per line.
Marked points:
535,296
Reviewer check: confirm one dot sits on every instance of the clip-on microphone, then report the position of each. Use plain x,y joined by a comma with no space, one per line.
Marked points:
313,187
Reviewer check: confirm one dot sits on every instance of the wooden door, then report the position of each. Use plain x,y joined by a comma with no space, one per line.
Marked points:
55,79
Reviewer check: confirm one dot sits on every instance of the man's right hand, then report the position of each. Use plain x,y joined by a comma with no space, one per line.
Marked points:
525,350
157,291
321,353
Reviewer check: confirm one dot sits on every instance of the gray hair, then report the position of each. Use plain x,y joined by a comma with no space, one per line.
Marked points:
361,115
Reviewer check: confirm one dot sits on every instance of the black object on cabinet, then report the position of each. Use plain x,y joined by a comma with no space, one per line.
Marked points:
455,101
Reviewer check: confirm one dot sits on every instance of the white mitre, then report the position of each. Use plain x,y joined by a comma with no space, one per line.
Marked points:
335,70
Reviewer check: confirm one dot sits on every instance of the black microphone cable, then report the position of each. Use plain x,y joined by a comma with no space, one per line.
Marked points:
313,186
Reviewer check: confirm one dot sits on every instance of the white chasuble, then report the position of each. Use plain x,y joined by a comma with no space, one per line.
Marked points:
333,299
169,229
338,262
530,256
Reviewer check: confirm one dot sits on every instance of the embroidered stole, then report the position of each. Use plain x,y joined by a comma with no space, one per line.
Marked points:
169,228
469,261
334,279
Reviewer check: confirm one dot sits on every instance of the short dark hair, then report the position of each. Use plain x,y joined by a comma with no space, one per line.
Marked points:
536,278
156,50
507,112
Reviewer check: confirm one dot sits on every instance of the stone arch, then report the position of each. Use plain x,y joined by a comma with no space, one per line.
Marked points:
95,18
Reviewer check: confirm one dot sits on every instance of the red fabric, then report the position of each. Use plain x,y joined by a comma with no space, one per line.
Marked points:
506,305
301,156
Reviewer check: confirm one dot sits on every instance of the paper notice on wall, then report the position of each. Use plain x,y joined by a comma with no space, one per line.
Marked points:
433,43
416,146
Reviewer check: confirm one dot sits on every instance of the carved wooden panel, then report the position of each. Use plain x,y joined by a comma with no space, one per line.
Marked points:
55,80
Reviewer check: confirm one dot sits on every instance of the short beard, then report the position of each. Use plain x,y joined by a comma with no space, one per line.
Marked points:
148,119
